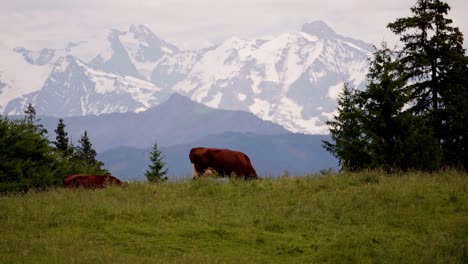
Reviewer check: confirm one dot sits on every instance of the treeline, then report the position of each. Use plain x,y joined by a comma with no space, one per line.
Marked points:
29,160
413,114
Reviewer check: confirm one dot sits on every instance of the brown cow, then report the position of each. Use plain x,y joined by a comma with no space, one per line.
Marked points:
223,161
89,181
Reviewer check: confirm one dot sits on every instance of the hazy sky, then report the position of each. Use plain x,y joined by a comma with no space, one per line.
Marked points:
198,23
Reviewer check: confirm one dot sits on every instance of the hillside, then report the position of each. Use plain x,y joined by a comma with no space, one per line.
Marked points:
352,218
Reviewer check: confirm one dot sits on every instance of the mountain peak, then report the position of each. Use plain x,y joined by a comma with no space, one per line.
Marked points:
179,101
140,30
319,29
62,63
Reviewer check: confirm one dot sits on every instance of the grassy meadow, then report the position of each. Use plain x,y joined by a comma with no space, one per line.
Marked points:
346,218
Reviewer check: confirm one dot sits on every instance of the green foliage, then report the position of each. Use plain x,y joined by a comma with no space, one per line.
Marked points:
27,161
396,138
454,116
83,158
346,130
352,218
30,118
61,139
373,130
413,113
155,172
30,114
433,58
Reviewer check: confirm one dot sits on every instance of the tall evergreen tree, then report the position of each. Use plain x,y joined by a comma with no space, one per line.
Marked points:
30,114
26,159
454,115
413,113
30,118
86,156
155,172
431,49
394,135
61,139
85,150
435,62
350,145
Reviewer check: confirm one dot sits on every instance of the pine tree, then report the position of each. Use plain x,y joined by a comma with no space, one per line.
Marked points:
394,134
85,155
85,150
26,158
350,145
454,113
30,114
155,173
383,100
30,118
431,47
435,63
413,113
61,140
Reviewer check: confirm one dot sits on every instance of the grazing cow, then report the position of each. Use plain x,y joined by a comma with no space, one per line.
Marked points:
89,181
223,161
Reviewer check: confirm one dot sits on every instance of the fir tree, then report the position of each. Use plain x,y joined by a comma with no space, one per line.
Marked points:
431,48
30,118
372,129
30,114
454,114
394,135
26,159
350,145
85,155
435,63
155,173
61,140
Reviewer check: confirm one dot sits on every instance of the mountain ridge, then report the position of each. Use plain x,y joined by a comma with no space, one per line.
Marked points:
161,124
291,79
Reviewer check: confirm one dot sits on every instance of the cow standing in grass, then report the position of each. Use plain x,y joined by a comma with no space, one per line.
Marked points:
89,181
222,161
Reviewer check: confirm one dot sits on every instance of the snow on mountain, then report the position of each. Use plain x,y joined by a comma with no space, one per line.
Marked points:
133,52
292,79
19,77
175,68
145,48
74,89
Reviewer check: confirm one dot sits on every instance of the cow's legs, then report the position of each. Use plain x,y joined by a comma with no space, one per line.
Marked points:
195,173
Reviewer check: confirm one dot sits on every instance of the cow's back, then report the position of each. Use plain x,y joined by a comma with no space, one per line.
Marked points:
68,180
223,161
89,181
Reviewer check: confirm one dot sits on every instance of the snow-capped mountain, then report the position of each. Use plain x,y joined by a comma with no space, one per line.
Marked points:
19,77
292,79
133,52
74,89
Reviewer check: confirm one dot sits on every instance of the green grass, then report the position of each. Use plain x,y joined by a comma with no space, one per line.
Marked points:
364,218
